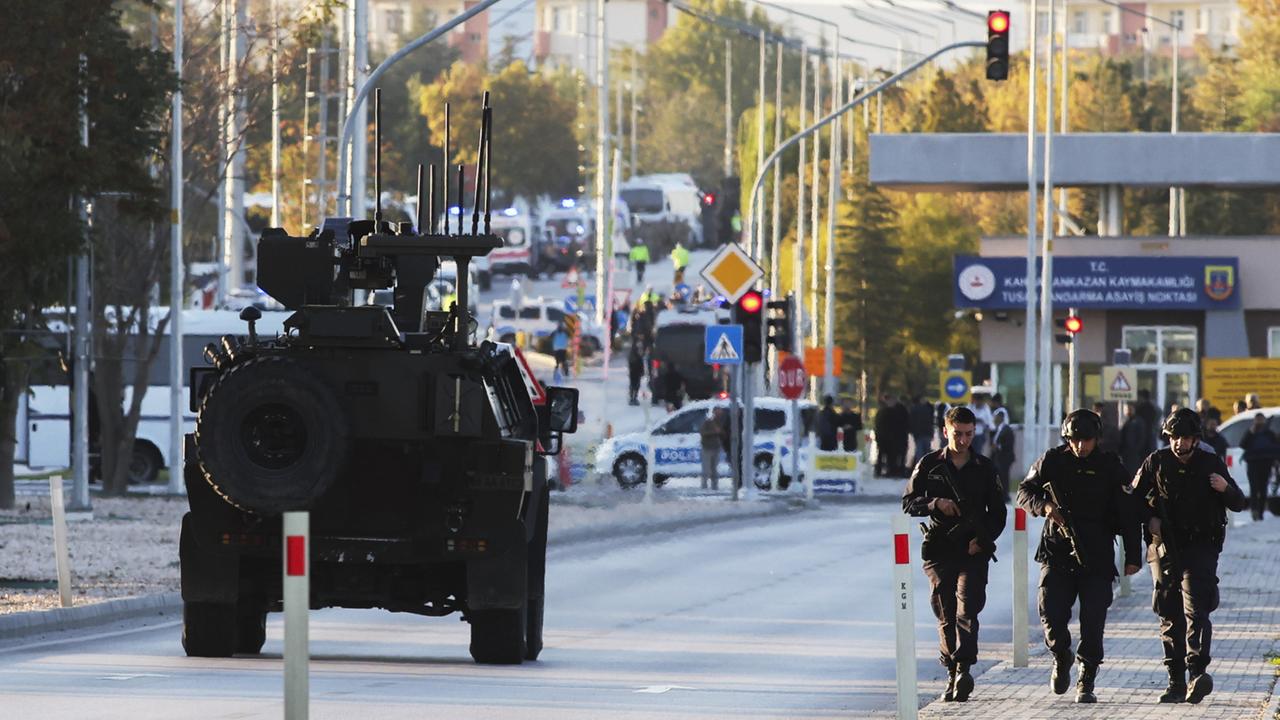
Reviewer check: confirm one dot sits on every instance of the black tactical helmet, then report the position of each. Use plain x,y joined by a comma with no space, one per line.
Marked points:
1082,425
1183,422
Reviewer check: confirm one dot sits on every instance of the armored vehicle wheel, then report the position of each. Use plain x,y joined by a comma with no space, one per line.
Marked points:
271,436
498,636
251,626
208,629
537,581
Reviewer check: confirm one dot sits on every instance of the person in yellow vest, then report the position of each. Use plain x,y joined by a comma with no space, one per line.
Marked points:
639,257
679,261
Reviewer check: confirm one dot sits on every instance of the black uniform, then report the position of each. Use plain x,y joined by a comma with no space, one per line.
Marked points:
958,579
1198,514
1091,491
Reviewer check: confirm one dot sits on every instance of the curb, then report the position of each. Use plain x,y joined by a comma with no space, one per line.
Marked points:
35,622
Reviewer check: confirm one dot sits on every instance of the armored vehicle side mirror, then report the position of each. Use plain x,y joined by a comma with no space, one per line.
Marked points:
562,409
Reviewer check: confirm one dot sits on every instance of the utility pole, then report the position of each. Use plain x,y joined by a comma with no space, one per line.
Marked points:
728,110
224,172
797,259
233,225
1046,249
276,219
177,268
1030,422
80,501
759,218
635,115
829,378
602,159
776,223
813,222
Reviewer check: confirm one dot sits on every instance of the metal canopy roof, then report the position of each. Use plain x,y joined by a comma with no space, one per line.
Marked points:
998,161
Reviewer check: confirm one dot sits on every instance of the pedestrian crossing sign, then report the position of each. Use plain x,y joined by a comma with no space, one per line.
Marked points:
1117,383
723,345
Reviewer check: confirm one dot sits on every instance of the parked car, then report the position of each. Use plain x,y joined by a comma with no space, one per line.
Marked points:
677,445
539,317
1233,430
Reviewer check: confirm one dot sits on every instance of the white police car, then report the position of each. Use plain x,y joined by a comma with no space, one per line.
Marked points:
677,444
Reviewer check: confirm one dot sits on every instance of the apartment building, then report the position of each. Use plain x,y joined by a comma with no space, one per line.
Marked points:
1092,25
392,23
564,29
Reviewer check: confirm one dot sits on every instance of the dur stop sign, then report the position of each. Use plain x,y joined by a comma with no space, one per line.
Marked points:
791,378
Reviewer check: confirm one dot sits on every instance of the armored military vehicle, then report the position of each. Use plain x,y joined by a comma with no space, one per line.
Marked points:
417,452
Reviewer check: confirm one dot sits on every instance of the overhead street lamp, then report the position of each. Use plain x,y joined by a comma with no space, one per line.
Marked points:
1177,213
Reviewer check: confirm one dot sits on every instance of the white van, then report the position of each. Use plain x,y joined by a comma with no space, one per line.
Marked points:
677,444
672,197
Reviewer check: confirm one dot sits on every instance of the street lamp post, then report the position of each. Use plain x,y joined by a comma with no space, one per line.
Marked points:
1177,214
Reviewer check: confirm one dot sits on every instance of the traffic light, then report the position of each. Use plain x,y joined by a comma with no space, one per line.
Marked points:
748,312
710,218
1072,324
997,44
780,319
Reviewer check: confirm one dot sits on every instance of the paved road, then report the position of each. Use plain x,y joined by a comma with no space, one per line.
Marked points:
781,618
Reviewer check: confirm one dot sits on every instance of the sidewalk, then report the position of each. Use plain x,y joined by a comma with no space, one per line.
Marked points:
1246,638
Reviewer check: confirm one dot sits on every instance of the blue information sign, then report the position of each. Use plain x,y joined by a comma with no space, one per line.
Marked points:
1134,283
956,388
723,345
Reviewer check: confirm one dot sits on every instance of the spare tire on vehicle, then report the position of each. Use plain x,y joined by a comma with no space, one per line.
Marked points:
271,436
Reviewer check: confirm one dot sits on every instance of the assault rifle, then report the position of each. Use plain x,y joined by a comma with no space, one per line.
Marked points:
1067,527
970,518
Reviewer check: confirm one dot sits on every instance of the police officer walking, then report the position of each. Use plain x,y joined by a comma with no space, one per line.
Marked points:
959,490
1186,492
1081,489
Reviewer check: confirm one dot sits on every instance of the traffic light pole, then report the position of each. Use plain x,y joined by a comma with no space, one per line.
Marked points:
1073,368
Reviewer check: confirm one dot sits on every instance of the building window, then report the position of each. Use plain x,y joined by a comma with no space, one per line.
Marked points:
1273,342
1204,20
1080,22
1164,359
1113,22
559,19
394,20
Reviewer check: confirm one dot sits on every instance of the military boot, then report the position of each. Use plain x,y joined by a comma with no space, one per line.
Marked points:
1201,685
1177,690
1084,686
964,682
950,693
1060,676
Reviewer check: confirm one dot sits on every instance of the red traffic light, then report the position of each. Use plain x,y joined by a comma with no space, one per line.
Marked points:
998,21
751,302
1073,324
709,199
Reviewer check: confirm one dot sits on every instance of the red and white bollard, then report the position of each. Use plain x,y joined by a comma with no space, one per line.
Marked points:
297,606
1019,587
904,619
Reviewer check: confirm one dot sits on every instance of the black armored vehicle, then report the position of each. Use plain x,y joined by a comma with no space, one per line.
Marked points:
417,452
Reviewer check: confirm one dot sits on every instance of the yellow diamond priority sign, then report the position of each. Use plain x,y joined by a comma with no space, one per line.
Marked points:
732,272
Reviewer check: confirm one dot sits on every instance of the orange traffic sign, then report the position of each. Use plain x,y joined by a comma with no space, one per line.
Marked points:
815,361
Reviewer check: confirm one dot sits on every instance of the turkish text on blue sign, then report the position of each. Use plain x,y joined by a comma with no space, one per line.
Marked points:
1151,283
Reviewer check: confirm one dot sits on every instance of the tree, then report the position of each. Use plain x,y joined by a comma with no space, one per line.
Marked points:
45,167
869,285
534,151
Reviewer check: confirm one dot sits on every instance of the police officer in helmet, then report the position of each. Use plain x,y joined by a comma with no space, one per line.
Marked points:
1186,493
1081,490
